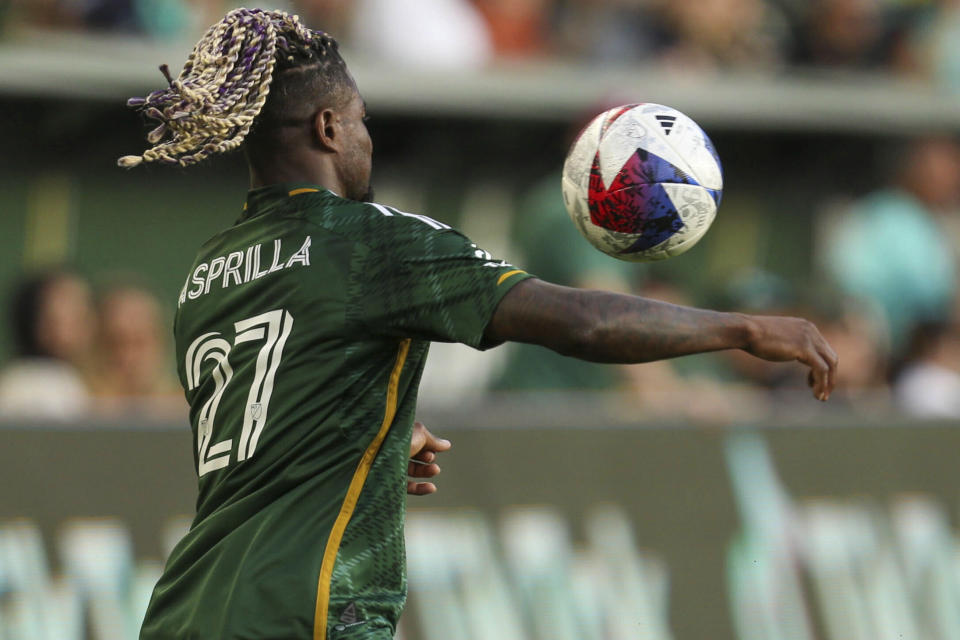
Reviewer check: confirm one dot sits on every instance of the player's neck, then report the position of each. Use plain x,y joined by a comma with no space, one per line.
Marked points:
291,170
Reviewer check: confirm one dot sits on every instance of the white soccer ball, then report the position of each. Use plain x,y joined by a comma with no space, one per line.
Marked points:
642,182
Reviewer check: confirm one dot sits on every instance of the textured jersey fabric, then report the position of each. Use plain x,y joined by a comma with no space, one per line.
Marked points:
301,335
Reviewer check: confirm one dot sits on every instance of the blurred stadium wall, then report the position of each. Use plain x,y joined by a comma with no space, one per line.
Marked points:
714,509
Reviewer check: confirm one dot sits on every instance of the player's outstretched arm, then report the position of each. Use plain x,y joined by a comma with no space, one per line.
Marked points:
610,327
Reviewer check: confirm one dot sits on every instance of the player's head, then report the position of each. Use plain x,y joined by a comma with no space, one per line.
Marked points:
261,78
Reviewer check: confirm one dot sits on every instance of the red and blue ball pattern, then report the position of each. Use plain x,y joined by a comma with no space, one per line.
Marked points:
642,182
636,202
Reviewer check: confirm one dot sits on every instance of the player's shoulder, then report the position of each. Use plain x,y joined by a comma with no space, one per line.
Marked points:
391,218
372,223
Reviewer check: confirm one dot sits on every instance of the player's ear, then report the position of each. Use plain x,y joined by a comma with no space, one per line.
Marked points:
326,130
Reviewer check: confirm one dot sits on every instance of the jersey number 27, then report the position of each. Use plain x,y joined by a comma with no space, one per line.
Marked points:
273,328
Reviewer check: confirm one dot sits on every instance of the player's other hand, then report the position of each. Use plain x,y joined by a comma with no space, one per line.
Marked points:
424,447
781,339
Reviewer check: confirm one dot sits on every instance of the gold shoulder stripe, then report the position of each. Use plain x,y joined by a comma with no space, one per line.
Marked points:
353,494
297,192
509,274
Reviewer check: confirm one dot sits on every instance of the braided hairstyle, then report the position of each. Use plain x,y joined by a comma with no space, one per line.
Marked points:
240,61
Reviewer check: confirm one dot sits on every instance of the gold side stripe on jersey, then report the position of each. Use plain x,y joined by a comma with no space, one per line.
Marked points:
297,192
509,274
353,494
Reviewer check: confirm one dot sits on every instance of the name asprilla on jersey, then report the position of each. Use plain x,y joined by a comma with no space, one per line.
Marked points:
240,267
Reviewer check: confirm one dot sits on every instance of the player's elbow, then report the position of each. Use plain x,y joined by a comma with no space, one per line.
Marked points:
577,323
586,339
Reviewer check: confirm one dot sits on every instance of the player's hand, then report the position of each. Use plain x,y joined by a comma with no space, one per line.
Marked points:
781,339
424,447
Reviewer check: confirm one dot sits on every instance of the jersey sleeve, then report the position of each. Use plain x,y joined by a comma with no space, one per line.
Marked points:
423,280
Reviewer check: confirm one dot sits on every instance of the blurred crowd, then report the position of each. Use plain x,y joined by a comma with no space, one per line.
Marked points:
76,353
883,292
918,38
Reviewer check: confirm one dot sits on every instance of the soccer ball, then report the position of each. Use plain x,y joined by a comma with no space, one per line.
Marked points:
642,182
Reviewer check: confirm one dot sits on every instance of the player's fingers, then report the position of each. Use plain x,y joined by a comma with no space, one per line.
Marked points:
421,488
831,380
833,361
423,440
415,470
820,372
822,387
826,357
830,355
437,444
425,456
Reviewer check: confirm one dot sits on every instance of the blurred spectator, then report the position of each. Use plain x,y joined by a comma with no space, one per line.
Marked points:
518,28
132,364
333,16
931,47
426,34
168,18
44,13
718,33
112,15
893,248
160,18
52,326
107,15
842,34
928,385
618,32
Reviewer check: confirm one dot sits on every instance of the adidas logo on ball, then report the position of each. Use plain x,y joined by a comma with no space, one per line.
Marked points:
666,122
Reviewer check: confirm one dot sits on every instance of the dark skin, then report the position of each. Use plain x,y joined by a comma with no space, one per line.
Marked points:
613,328
332,148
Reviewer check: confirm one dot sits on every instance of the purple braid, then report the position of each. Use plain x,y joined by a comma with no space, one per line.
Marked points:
210,107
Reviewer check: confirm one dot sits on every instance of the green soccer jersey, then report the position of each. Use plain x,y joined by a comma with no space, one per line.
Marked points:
301,335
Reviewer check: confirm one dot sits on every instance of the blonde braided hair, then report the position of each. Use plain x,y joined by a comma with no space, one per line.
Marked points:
224,84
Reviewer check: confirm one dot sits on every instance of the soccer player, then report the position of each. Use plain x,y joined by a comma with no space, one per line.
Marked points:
302,330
